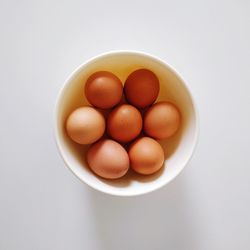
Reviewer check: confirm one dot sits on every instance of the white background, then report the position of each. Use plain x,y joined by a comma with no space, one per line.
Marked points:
43,206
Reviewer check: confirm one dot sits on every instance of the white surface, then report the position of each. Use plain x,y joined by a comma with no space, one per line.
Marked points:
178,149
43,206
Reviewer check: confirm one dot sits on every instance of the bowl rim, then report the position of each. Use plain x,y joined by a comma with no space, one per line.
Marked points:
125,52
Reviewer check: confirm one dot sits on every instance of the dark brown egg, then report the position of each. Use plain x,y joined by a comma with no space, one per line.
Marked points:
141,88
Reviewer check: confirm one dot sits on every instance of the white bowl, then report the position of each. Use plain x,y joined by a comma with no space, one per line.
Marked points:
178,149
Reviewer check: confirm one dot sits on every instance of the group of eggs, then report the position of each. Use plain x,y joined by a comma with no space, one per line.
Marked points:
133,123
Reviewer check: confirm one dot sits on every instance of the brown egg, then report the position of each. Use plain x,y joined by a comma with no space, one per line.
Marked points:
85,125
103,89
124,123
108,159
162,120
142,88
146,156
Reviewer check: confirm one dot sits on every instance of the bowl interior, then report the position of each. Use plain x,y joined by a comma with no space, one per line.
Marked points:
178,149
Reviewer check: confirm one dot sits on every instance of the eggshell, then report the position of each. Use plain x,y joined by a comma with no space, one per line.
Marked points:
142,88
146,156
162,120
124,123
85,125
103,89
108,159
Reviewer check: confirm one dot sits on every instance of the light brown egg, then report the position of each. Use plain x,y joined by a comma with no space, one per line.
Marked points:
124,123
146,156
142,88
103,89
108,159
162,120
85,125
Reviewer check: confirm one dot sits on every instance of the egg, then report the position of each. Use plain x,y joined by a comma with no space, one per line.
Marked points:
85,125
103,89
124,123
162,120
108,159
146,156
141,88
